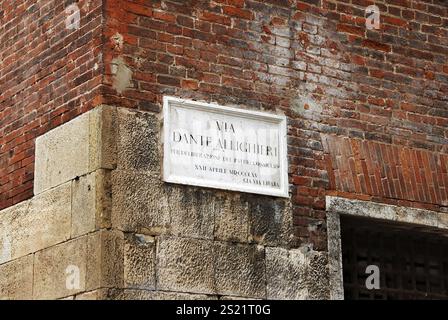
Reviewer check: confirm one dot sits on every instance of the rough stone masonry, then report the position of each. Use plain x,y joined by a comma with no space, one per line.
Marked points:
81,154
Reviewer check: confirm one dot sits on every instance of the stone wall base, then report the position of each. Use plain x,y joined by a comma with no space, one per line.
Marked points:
102,225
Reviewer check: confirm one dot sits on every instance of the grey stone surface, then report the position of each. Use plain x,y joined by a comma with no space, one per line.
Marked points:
103,124
386,212
138,142
442,220
417,216
140,203
296,274
192,212
318,276
91,202
286,273
105,250
76,148
8,235
83,205
47,221
232,219
335,256
144,204
39,223
50,269
185,265
162,295
361,208
270,220
139,262
16,279
62,154
240,270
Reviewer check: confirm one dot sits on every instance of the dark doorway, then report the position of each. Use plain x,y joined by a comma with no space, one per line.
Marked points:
412,260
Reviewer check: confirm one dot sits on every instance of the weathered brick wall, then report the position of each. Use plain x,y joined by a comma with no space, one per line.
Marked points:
316,62
48,75
313,60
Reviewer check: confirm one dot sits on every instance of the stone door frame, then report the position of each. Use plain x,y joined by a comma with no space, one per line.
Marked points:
337,206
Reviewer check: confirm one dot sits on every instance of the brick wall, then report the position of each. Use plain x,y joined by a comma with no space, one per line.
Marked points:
313,60
48,75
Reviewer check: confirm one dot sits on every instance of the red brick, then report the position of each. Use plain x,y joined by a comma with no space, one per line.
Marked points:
216,18
238,12
351,29
160,15
377,73
139,9
190,84
168,81
376,45
236,3
394,21
359,60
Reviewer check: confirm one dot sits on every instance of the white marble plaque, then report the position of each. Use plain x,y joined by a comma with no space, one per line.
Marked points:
220,147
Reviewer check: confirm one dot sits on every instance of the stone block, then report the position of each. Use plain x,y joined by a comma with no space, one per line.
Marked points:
232,219
16,281
8,233
57,269
240,270
286,274
138,142
161,295
296,274
140,203
139,262
103,124
318,277
361,208
76,148
270,220
185,265
62,154
97,258
417,216
335,256
192,212
144,204
105,260
36,224
442,220
91,202
383,211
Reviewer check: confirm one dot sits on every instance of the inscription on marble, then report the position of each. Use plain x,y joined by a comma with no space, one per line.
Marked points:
227,148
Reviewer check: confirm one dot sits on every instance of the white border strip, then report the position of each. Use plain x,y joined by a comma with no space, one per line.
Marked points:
249,114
